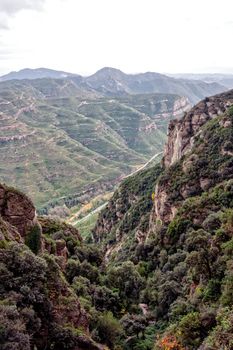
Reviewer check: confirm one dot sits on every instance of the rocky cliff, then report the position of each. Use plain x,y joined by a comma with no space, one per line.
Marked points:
195,159
127,211
17,209
38,306
173,225
166,281
181,132
204,158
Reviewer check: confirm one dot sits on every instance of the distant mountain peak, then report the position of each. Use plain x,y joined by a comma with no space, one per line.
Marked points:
37,73
110,81
108,71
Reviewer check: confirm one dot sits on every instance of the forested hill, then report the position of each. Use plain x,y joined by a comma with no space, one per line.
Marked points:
173,225
158,274
92,130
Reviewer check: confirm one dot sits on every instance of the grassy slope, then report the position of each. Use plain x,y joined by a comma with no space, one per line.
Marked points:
63,146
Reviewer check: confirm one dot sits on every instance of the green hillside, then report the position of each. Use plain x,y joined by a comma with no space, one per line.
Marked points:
167,233
158,273
62,144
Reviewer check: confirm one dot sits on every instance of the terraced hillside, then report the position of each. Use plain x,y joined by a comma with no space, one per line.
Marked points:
157,273
60,142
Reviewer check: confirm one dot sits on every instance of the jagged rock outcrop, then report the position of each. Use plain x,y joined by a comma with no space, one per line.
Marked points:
191,157
7,231
18,217
38,283
56,237
17,209
181,132
198,156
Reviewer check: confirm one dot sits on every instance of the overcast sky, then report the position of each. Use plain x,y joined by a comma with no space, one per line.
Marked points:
82,36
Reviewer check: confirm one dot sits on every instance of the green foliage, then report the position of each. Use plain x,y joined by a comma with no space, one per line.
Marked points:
89,144
129,210
142,343
177,227
33,239
81,285
72,269
90,271
108,329
212,290
3,243
104,298
228,247
134,325
13,329
227,287
173,285
230,111
24,305
189,330
58,230
127,280
91,253
222,334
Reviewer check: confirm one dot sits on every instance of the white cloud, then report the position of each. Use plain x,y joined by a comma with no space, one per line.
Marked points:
10,7
133,35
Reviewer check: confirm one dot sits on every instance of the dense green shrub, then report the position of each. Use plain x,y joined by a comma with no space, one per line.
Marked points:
212,290
108,329
189,330
177,227
33,238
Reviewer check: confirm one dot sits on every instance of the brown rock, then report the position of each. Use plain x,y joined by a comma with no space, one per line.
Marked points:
17,209
180,132
9,232
205,183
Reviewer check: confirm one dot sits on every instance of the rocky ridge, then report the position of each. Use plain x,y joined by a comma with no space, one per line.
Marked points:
181,132
173,224
167,280
19,225
189,152
182,138
17,210
113,82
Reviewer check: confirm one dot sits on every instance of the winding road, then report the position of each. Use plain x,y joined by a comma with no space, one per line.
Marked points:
102,206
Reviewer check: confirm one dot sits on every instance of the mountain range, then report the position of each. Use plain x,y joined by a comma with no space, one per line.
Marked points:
37,73
113,82
223,79
61,143
91,131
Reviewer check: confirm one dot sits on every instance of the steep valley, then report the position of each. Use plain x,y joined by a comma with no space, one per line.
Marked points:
158,272
63,144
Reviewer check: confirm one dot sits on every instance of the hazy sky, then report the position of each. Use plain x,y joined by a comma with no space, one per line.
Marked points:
82,36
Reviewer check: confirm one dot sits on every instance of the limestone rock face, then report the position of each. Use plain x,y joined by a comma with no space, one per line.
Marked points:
17,218
181,132
9,232
17,209
189,177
